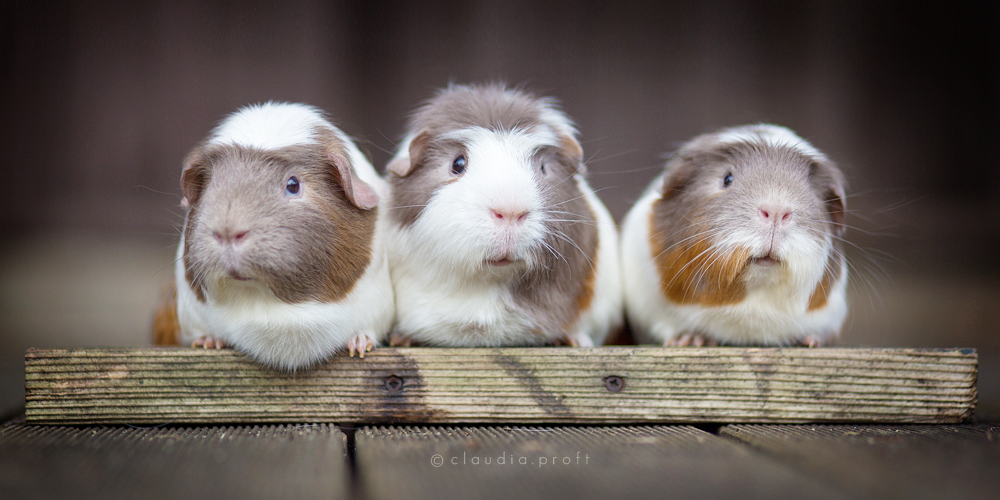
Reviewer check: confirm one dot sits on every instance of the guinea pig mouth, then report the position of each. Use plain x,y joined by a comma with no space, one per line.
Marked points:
765,261
500,262
238,277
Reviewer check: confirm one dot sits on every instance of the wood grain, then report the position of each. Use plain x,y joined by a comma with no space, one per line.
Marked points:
506,385
912,462
571,463
301,462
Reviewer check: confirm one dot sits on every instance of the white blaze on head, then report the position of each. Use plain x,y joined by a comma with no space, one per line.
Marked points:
770,135
270,126
276,125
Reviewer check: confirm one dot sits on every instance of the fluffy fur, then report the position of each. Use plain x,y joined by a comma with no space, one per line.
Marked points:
702,265
562,281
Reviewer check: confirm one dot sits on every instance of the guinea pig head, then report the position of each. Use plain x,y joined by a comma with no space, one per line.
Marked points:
743,208
486,183
295,221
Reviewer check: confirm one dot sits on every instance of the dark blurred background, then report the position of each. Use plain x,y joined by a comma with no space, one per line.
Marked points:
101,100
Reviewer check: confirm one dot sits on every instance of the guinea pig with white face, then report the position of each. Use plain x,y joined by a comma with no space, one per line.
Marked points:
494,236
282,255
739,242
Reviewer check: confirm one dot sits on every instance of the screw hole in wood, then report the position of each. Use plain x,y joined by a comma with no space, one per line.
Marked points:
614,383
393,384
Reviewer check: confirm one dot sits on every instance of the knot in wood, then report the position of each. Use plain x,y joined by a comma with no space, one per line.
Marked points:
393,384
614,383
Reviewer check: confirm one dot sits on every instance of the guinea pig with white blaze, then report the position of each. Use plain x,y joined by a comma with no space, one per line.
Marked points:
494,236
282,255
739,242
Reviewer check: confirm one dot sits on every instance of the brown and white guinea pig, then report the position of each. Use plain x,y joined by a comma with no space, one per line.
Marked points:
281,256
739,242
494,236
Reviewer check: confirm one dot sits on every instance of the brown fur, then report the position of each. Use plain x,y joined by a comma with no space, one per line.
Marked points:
557,291
301,252
819,296
691,273
166,328
587,293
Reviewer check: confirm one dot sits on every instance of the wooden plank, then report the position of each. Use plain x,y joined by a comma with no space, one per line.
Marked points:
909,462
571,463
506,385
166,463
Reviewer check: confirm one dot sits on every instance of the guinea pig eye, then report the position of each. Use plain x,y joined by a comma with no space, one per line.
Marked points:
292,186
458,166
542,167
727,180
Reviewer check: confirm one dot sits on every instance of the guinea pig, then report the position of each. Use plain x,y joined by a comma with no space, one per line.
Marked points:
282,255
739,242
494,236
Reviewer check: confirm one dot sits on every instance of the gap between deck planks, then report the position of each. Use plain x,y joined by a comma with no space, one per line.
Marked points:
606,385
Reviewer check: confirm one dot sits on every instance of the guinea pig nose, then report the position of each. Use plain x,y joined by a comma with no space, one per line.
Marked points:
228,236
774,214
509,215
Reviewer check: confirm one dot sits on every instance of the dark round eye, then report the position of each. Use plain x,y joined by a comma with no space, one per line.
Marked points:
543,168
458,166
292,186
727,180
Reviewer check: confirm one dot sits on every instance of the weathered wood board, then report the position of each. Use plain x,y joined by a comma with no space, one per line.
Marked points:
266,462
571,463
506,385
912,462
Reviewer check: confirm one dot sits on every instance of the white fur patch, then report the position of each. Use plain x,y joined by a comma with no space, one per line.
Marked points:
270,125
771,135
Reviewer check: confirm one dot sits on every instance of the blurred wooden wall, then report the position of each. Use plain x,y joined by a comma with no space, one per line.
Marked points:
102,99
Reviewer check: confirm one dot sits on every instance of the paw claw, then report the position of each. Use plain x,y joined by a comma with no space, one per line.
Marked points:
360,344
208,343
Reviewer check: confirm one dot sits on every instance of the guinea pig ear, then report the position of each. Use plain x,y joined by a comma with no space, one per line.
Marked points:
403,165
359,192
194,176
834,200
574,151
829,181
680,172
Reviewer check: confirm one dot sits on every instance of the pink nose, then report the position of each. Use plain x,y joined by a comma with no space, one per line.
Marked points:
508,215
774,214
228,236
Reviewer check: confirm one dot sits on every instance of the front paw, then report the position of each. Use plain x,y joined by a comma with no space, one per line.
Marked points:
577,339
691,340
208,343
814,340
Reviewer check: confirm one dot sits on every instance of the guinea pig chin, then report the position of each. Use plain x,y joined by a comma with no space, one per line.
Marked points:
510,244
230,264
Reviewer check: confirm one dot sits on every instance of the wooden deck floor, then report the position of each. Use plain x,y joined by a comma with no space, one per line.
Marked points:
329,461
